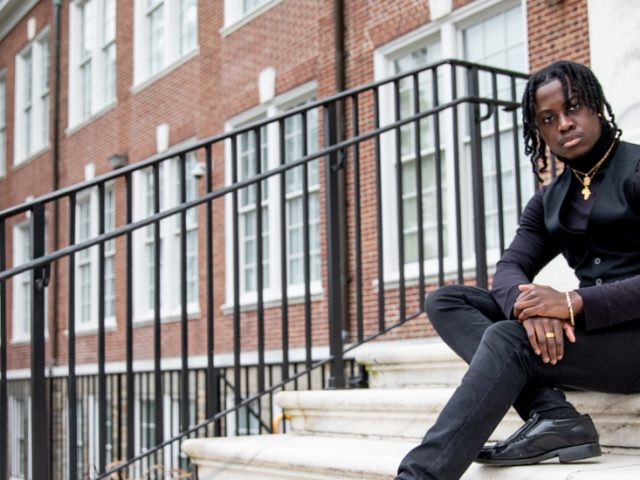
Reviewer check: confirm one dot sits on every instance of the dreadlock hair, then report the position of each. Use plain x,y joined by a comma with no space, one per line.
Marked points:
583,83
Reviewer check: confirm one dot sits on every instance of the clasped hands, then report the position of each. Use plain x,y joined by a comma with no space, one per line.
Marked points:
544,314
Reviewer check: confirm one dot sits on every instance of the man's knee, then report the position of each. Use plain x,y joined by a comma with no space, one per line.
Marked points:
449,296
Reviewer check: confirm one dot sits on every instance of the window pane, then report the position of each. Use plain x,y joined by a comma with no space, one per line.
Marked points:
155,26
188,19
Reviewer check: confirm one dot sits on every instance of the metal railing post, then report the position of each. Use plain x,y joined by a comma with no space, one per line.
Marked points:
477,180
39,407
334,297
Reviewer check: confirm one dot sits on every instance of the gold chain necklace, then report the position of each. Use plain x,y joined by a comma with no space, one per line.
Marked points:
586,177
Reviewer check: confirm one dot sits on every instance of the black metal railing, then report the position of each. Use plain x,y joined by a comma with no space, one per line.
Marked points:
417,189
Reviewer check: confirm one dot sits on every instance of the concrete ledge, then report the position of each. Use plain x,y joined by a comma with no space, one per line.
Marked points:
274,457
387,413
408,413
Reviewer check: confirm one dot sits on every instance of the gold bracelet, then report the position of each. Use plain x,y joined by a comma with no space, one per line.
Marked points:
570,307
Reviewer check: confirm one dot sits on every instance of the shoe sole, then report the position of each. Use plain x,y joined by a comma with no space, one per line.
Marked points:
565,455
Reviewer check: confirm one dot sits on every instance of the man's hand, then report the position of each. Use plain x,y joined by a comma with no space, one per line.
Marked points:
542,301
546,336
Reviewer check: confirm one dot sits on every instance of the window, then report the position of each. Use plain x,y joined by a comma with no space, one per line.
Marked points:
499,41
19,428
165,32
495,37
247,210
87,268
294,193
92,65
3,125
32,99
236,10
243,421
22,283
170,234
295,138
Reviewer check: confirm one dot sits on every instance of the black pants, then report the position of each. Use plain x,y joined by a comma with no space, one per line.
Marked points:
504,371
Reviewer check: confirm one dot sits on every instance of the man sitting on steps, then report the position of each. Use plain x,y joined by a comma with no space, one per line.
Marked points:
522,341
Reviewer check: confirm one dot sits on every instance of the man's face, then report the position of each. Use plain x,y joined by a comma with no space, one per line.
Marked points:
570,128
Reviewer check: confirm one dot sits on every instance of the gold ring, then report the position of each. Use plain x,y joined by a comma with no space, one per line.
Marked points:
550,335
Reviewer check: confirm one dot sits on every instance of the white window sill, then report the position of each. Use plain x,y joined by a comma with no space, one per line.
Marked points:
238,23
172,317
21,340
19,163
148,80
270,301
92,328
79,125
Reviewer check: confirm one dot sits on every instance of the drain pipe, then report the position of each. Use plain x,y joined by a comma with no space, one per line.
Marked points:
55,159
340,82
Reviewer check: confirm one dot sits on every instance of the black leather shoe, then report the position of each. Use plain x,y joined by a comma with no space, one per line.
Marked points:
539,439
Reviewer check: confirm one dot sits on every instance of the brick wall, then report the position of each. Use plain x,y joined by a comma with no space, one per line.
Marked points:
558,30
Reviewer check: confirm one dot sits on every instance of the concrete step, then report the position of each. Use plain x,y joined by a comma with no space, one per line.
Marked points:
410,364
382,413
295,456
408,413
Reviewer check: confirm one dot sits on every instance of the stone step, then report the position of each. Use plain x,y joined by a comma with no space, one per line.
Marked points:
410,364
408,413
383,413
295,456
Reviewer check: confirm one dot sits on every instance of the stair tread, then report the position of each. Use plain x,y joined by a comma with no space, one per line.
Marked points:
435,396
374,458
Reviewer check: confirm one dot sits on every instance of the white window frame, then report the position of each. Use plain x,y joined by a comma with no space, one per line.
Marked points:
32,137
3,123
170,241
172,51
240,12
22,283
19,414
90,259
273,293
447,31
170,419
101,88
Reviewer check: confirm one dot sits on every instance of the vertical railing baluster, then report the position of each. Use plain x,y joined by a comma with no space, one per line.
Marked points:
130,379
308,328
456,175
399,205
516,151
379,226
417,131
438,166
498,164
357,220
184,321
259,266
4,414
284,308
235,218
477,180
157,307
71,347
39,411
211,380
102,381
336,341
